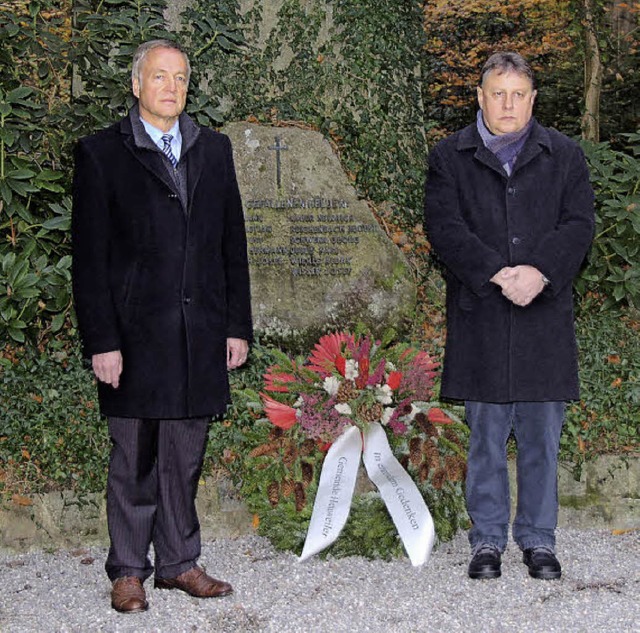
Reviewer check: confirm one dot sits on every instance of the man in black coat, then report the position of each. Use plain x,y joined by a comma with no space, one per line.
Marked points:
161,287
509,211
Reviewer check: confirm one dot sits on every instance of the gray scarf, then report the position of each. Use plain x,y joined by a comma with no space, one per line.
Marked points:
506,147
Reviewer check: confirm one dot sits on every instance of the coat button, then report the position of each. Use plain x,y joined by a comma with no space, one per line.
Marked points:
515,240
186,300
511,191
173,195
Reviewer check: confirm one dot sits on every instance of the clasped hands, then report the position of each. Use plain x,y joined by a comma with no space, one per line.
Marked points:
520,284
108,366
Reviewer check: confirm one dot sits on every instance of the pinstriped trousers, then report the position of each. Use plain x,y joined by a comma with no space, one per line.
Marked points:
152,483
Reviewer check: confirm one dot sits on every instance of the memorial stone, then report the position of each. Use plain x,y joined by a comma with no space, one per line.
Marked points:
318,258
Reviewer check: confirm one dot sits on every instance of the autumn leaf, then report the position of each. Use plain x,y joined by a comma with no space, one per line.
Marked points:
624,531
19,500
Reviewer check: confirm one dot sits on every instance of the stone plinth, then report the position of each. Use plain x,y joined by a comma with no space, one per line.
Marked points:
607,496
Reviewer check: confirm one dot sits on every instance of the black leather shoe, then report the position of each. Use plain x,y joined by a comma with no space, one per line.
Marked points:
486,562
542,563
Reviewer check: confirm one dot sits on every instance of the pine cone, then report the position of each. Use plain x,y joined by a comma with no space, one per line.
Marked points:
307,473
301,497
290,455
452,468
273,492
452,436
276,432
419,419
429,449
423,473
370,413
439,478
415,451
307,448
270,448
429,429
288,487
346,391
433,461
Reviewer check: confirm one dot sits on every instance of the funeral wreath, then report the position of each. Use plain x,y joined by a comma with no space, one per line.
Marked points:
294,444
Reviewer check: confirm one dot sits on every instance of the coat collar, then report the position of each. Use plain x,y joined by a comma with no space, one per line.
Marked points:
539,140
149,154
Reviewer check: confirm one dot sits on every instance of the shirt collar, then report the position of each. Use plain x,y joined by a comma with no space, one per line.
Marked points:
156,135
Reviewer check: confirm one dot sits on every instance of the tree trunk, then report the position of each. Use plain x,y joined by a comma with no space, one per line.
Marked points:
592,75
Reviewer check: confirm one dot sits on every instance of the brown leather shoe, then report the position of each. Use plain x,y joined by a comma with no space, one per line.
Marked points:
196,583
128,596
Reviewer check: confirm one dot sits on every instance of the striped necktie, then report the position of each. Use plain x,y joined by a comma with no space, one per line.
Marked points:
166,139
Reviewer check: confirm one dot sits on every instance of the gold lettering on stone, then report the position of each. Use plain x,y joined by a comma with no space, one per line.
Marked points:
311,243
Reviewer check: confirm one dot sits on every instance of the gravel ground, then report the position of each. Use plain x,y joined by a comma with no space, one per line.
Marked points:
67,591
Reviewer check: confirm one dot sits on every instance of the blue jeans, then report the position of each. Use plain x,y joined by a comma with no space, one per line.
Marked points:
537,427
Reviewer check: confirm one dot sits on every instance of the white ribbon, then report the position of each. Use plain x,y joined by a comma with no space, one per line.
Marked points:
335,491
400,494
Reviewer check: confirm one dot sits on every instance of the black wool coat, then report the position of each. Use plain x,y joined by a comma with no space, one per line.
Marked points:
478,220
163,281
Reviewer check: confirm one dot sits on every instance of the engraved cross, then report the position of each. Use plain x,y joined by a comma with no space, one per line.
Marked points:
278,147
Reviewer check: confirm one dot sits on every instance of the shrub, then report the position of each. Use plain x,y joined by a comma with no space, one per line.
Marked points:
52,436
606,418
614,267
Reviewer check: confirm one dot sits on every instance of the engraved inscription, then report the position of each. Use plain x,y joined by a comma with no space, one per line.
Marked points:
314,237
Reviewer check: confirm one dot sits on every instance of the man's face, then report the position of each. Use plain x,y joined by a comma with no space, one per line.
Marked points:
161,87
506,101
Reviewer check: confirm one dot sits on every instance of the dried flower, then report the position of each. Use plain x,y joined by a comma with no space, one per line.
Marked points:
438,416
343,408
384,394
394,379
351,369
279,414
331,385
346,391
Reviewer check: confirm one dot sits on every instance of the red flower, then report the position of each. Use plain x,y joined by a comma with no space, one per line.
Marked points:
341,364
323,358
394,379
421,360
281,415
276,381
438,416
363,372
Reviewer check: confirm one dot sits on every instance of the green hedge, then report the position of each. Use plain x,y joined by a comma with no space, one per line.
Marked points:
53,437
355,74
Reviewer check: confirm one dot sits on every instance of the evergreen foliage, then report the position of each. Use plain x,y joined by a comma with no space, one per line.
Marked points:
356,71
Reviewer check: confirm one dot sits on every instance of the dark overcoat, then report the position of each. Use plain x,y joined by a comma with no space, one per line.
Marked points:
160,272
479,220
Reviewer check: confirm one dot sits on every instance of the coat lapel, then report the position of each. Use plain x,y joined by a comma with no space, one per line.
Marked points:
146,152
538,139
192,152
470,139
